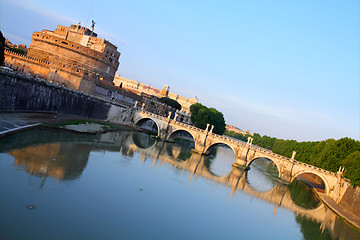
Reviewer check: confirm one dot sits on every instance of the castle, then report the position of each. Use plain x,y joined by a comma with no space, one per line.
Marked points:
76,58
73,57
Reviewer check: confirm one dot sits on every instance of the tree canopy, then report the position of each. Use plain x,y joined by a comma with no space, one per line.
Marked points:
170,102
202,115
329,154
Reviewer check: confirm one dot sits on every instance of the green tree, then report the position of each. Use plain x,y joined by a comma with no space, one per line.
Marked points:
170,102
329,154
352,166
202,115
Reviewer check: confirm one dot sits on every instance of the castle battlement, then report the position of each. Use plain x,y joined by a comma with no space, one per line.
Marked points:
62,43
26,58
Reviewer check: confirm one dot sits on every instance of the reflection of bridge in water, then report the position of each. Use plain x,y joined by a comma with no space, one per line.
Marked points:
236,180
160,152
245,153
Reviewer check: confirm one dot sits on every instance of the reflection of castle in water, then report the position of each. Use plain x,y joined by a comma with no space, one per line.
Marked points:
58,160
71,153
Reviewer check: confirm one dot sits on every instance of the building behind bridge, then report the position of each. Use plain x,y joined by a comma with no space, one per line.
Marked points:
232,128
153,94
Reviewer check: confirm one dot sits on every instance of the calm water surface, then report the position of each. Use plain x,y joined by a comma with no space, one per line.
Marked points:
124,185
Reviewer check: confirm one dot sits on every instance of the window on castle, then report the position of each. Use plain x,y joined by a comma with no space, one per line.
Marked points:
64,43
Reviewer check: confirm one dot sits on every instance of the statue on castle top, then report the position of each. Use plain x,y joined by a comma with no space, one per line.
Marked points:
92,25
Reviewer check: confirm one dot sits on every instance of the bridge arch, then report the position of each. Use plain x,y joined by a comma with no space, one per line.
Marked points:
326,184
180,130
221,143
275,162
145,119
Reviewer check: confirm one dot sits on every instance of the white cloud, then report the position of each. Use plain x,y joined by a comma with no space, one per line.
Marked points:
49,14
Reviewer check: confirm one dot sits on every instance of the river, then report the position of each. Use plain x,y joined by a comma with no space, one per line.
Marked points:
126,185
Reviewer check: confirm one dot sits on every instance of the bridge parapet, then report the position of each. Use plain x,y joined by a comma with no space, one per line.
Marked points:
246,153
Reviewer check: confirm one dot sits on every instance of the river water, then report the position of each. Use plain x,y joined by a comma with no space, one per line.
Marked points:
125,185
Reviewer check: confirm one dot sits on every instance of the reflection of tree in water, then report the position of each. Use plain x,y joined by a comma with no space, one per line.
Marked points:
302,195
311,230
142,140
185,154
182,150
210,156
262,175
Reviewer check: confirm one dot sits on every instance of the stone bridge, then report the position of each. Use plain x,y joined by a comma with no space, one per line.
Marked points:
236,180
245,153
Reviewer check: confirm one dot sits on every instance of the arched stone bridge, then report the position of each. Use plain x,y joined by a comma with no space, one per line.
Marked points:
245,153
236,180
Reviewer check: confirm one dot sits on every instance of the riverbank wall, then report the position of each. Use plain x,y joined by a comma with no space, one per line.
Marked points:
351,201
21,93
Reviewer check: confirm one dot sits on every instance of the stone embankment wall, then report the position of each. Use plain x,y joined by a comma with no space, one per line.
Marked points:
351,200
21,93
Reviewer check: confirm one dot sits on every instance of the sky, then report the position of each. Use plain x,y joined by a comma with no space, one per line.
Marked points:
281,68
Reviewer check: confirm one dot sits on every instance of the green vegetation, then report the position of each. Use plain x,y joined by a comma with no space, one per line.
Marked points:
170,102
201,116
17,50
77,122
104,126
329,154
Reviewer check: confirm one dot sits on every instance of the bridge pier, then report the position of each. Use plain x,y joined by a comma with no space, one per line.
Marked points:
245,153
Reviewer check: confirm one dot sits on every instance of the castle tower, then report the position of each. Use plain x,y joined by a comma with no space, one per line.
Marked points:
73,50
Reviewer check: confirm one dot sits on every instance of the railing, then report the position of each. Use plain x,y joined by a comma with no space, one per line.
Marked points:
263,150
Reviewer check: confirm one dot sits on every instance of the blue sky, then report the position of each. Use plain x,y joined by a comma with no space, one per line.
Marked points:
288,69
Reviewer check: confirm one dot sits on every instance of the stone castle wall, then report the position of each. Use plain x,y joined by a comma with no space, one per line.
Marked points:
21,93
351,200
30,65
26,64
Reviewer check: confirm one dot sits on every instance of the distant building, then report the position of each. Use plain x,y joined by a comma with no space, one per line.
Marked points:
139,88
22,47
8,43
231,128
